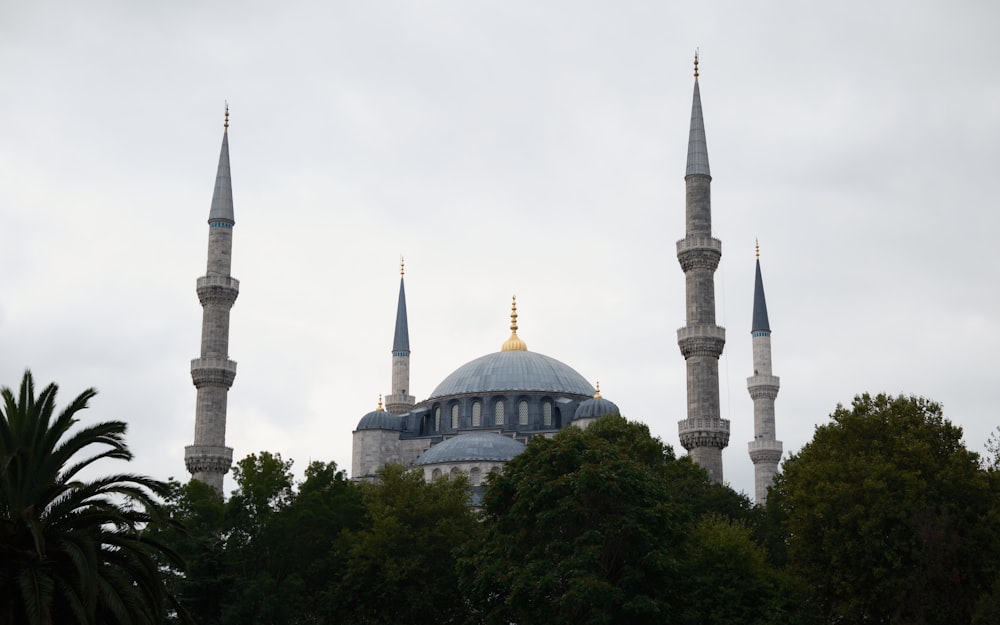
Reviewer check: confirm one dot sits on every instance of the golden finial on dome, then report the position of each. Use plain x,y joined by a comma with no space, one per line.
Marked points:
597,392
380,408
226,124
756,248
514,343
401,264
696,62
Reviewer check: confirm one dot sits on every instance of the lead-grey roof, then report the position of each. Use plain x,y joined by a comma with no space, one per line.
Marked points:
475,446
760,323
513,371
595,407
222,197
380,420
697,162
401,340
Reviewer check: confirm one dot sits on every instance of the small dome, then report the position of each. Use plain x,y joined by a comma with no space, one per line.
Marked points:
476,446
595,407
380,420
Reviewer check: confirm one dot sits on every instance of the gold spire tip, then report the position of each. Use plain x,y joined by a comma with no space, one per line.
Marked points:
380,408
402,266
226,124
756,248
597,392
514,343
696,62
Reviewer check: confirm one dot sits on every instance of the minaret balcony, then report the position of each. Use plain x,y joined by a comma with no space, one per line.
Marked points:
213,371
763,380
691,243
703,432
701,340
223,281
765,451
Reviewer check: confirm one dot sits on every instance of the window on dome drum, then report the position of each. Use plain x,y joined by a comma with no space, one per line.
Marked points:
522,413
547,414
437,419
498,412
435,474
477,414
475,476
455,472
454,416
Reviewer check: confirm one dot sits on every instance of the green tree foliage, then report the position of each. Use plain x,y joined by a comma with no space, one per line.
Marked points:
400,566
269,554
73,550
599,526
887,515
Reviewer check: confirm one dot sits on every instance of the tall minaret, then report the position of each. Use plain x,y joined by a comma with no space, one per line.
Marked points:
704,433
765,451
208,458
399,402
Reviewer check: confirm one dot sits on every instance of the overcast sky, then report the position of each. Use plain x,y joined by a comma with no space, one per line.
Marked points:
534,148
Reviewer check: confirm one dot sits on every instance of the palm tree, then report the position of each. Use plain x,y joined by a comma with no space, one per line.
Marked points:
72,550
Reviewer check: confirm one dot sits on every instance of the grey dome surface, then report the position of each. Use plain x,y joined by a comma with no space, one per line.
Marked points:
513,371
380,420
471,447
595,407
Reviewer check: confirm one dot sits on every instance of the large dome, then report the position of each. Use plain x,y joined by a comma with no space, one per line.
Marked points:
513,371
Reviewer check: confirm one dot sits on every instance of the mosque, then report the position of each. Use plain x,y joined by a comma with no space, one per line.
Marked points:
483,414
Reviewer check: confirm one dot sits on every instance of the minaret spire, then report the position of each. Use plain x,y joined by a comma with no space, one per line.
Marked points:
765,450
208,459
399,402
704,433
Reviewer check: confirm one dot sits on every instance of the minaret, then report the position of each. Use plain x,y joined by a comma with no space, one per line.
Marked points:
399,402
208,459
765,451
704,433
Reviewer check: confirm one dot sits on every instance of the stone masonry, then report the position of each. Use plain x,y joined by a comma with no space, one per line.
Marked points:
704,433
208,459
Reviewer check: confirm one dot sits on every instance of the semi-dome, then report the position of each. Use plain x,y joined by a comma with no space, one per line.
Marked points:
513,371
472,447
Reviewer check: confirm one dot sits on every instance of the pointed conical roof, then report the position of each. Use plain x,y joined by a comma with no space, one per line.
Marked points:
401,341
697,162
222,198
760,323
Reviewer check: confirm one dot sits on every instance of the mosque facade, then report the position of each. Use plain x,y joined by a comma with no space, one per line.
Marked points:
484,413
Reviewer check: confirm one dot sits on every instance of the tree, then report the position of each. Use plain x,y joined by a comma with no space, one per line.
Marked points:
269,554
886,515
595,526
73,550
400,566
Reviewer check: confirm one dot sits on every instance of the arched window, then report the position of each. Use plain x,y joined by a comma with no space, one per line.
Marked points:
498,412
547,414
494,469
437,419
477,414
454,416
475,476
455,472
435,474
522,413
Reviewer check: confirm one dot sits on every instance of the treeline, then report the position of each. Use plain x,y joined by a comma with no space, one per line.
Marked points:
885,517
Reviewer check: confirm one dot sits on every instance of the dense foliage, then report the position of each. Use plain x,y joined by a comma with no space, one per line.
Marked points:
605,525
72,549
888,517
883,518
